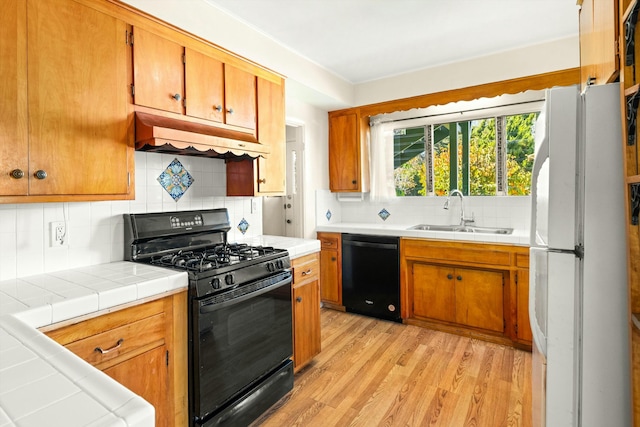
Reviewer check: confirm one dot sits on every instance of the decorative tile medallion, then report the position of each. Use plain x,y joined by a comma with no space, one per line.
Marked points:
384,214
243,226
328,215
175,179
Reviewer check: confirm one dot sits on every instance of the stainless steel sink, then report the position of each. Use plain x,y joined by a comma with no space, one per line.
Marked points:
462,229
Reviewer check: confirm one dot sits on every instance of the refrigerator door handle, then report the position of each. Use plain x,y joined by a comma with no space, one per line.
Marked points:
541,156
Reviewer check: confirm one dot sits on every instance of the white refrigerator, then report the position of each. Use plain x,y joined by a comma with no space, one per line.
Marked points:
578,302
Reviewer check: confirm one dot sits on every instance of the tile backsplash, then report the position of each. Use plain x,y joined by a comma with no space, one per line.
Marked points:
95,232
499,211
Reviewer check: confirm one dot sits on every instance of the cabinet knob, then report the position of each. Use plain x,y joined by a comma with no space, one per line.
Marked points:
262,181
354,182
230,110
217,107
459,277
40,174
17,173
333,258
176,97
449,276
299,299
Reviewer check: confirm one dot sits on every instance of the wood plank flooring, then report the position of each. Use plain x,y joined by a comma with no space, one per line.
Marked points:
377,373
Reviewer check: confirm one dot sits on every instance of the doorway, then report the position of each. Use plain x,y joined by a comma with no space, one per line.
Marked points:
283,215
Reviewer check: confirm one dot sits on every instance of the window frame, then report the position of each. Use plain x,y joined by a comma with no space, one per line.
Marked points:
499,113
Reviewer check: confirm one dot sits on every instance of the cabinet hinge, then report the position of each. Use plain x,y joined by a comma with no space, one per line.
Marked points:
167,353
131,39
516,278
184,58
516,329
133,90
504,324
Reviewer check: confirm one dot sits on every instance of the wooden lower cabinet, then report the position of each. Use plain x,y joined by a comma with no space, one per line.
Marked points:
146,375
143,347
331,269
306,309
467,297
474,289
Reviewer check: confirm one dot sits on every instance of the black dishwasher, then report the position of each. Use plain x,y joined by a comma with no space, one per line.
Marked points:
371,276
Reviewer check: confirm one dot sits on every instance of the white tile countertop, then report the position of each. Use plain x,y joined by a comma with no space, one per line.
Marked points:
43,383
295,246
518,237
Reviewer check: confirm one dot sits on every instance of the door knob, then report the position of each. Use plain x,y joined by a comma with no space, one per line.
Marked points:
288,221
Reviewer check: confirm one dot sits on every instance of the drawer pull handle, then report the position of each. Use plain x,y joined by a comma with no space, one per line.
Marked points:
109,350
304,273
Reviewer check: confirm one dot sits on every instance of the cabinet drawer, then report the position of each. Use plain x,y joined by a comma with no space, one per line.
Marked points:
129,339
329,242
522,260
306,268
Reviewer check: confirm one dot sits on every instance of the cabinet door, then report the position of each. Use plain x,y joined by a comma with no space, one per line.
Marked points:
240,97
146,375
329,280
479,299
271,132
306,318
158,72
80,130
598,41
344,157
204,86
434,292
13,108
522,296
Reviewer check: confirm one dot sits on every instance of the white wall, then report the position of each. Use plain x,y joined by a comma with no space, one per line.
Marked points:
95,229
530,60
316,155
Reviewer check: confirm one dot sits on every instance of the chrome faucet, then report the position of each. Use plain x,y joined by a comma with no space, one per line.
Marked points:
463,220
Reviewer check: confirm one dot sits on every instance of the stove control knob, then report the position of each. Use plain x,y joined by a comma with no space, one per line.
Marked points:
270,266
229,280
215,283
280,264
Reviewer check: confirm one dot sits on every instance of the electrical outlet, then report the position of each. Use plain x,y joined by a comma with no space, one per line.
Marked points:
58,233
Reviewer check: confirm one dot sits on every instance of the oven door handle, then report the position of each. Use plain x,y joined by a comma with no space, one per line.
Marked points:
209,307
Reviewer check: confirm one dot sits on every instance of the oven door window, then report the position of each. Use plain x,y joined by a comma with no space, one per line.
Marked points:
239,343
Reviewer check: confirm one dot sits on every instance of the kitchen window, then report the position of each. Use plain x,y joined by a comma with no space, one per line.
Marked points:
484,150
481,157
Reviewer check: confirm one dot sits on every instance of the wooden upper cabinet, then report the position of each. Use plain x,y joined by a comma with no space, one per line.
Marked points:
14,147
271,132
348,159
79,136
240,97
158,72
204,78
599,50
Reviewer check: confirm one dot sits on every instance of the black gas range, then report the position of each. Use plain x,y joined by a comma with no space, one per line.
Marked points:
240,327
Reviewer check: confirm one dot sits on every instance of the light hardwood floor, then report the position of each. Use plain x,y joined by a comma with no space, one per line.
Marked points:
377,373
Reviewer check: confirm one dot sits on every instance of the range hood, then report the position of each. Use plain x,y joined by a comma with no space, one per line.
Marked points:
161,134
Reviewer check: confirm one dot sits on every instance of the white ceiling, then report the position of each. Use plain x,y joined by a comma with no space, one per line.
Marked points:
363,40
